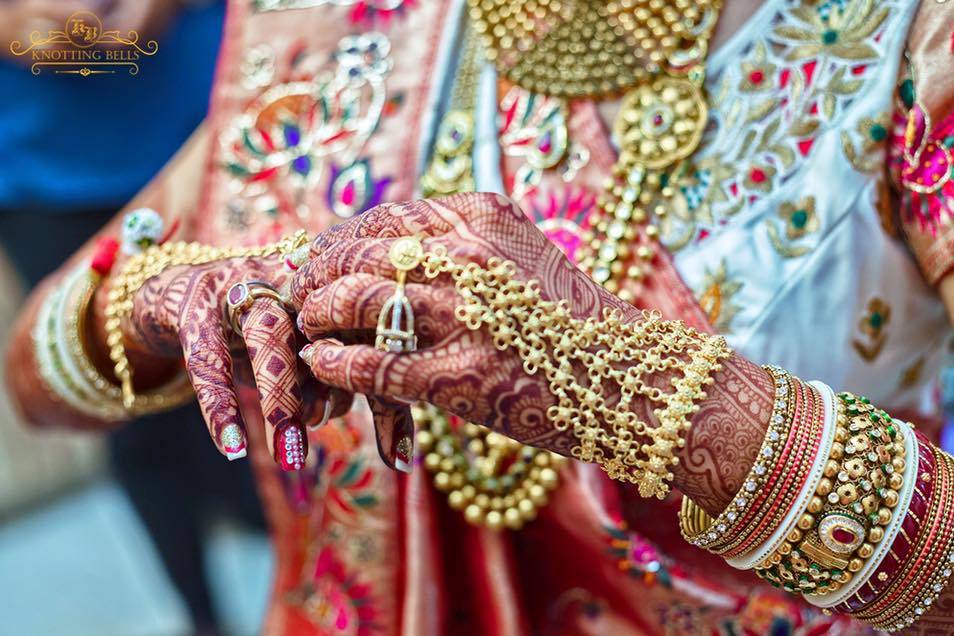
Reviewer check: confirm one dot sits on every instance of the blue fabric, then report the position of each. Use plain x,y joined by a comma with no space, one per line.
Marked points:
70,143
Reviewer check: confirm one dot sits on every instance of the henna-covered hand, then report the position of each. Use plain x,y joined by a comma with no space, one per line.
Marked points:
181,313
341,290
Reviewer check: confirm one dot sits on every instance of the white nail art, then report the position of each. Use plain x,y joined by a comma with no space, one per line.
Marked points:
402,466
236,455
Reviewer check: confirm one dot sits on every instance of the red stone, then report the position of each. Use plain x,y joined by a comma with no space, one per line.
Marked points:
843,536
757,175
756,77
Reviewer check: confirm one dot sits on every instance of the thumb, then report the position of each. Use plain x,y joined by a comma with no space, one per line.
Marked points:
394,430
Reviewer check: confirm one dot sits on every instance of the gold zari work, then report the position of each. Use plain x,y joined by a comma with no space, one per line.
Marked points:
578,357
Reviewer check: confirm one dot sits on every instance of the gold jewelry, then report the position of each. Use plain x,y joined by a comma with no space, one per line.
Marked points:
152,262
395,331
494,480
697,527
550,341
578,48
853,503
241,297
590,49
451,168
64,363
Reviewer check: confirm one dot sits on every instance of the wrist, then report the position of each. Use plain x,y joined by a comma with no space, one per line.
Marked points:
726,433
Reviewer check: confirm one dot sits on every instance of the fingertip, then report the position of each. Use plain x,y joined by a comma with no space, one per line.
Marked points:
233,443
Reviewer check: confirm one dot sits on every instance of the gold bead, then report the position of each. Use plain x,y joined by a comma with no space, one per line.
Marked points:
805,522
456,500
474,514
865,550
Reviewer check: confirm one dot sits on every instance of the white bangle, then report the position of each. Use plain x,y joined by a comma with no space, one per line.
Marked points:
890,532
754,557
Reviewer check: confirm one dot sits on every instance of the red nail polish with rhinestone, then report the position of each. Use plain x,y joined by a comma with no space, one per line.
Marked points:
291,446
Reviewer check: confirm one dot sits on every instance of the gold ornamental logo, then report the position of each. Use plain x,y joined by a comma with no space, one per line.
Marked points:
84,48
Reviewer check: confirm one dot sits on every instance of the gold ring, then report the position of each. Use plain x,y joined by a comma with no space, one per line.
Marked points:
395,331
241,296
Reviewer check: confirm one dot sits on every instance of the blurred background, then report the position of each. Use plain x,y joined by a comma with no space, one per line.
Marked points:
146,531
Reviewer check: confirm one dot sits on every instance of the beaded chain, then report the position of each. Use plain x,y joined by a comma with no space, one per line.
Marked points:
152,262
656,52
496,481
549,341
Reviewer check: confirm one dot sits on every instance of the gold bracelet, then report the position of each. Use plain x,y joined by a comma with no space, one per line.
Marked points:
549,341
853,502
153,262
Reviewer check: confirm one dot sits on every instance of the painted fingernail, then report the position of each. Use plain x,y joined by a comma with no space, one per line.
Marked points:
291,446
232,441
324,418
306,354
403,453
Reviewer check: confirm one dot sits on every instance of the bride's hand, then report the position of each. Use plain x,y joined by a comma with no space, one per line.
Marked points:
181,313
340,293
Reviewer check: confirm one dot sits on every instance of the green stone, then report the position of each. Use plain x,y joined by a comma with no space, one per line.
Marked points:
892,431
830,36
876,320
907,92
865,400
878,132
799,219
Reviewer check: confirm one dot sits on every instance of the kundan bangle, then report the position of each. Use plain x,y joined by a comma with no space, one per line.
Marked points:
853,504
900,537
753,558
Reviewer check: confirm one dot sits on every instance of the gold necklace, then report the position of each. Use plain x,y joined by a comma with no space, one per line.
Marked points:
496,482
653,49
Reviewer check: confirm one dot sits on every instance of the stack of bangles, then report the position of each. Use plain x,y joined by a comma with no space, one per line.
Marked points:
844,505
63,361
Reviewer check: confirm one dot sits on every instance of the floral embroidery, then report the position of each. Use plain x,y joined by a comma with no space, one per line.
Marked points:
868,157
278,148
799,220
911,375
872,329
716,297
790,88
534,128
338,602
351,485
757,73
636,556
353,190
258,67
838,28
